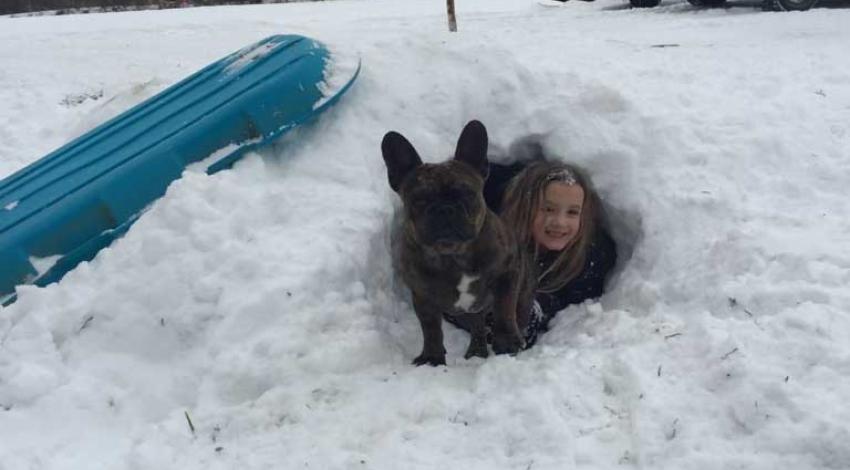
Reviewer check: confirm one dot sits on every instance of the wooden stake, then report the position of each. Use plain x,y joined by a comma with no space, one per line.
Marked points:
450,7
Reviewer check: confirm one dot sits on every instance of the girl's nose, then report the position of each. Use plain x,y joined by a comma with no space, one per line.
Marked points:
558,220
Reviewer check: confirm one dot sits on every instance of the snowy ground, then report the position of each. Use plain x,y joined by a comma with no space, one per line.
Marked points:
261,302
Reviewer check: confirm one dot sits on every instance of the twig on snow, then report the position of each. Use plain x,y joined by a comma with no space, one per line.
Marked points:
189,420
672,434
86,322
726,356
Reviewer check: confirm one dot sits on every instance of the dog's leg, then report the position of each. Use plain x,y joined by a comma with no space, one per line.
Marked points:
506,336
431,321
478,335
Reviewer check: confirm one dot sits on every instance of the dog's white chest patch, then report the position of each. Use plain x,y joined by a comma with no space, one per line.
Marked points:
465,300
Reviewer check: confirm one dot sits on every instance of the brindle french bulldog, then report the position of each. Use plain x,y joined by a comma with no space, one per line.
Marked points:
456,255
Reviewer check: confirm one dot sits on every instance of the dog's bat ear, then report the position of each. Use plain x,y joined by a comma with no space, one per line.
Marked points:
400,157
472,147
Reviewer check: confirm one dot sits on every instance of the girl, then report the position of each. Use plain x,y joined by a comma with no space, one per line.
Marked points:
558,218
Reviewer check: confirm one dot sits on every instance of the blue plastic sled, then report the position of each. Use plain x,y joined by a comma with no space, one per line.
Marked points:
62,209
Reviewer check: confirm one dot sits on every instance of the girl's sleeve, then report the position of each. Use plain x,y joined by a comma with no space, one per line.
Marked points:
590,284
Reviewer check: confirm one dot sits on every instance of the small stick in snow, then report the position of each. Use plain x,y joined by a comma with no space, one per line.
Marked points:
673,335
672,434
659,370
189,420
733,303
86,322
726,356
450,8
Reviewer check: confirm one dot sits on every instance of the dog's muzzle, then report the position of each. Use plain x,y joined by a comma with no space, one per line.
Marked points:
448,224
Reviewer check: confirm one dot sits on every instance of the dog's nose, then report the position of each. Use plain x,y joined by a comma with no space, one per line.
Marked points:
443,210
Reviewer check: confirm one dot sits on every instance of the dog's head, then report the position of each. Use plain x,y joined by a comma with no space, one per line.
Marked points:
443,202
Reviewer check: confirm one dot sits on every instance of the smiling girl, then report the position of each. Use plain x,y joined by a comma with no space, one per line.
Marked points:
557,217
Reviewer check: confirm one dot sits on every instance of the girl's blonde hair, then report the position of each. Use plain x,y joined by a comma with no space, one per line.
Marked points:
522,202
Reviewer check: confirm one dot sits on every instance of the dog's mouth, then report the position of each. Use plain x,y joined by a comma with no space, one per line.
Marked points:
447,234
449,246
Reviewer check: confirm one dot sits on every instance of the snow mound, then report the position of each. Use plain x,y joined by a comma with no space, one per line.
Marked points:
260,305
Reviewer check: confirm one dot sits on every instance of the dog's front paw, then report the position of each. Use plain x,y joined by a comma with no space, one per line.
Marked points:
430,359
477,348
507,343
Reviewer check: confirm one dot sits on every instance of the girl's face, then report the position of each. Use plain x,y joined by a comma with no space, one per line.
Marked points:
558,218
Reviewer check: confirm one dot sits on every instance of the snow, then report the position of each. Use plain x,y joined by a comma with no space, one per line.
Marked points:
261,301
248,55
42,265
342,64
220,154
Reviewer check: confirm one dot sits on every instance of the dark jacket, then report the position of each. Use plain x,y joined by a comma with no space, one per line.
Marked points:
589,284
